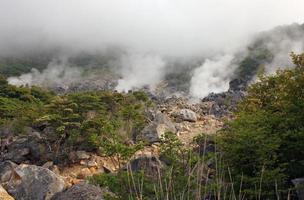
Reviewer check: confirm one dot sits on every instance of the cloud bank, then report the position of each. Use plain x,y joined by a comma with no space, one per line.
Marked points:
211,29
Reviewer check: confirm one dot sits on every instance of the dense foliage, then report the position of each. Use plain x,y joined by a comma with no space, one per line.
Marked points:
264,146
97,121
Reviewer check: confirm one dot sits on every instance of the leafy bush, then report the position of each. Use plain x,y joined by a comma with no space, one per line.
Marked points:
264,146
95,121
99,121
19,106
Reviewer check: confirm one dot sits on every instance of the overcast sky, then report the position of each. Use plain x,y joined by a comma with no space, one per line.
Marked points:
177,27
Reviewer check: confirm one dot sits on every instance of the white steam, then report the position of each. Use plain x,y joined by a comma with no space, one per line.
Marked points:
156,29
212,76
139,70
58,72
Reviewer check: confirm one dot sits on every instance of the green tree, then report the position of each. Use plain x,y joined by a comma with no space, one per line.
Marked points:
263,145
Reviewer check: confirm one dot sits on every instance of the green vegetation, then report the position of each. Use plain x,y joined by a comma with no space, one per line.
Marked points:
255,156
19,106
184,175
96,121
264,145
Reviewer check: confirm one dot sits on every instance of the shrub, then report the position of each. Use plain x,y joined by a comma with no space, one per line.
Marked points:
264,146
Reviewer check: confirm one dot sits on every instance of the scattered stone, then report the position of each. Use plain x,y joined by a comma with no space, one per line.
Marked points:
188,115
85,172
82,155
92,163
82,162
4,195
154,131
81,191
225,103
34,182
78,156
92,170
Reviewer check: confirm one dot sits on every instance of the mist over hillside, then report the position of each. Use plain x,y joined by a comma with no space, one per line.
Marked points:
186,47
116,68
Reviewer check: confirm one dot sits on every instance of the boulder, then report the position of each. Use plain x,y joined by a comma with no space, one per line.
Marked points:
82,155
81,191
4,195
299,184
32,148
17,151
76,156
154,131
6,171
32,182
188,115
151,165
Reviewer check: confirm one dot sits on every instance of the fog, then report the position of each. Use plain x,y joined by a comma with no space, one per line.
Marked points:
148,31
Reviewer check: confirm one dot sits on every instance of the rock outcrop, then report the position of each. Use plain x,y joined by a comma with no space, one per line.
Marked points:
31,182
222,104
30,147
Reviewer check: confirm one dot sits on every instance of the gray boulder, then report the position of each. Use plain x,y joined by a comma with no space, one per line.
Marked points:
27,148
32,182
17,151
154,131
188,115
82,191
6,171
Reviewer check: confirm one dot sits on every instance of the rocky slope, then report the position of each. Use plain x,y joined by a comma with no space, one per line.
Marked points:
27,170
